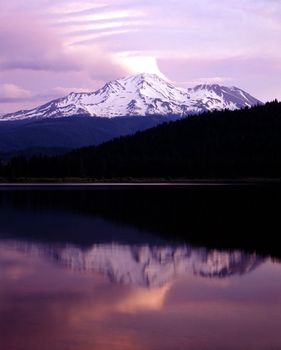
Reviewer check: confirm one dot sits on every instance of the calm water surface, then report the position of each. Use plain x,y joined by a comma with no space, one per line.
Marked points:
94,269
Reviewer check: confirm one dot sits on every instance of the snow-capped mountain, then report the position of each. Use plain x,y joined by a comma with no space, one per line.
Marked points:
146,266
140,95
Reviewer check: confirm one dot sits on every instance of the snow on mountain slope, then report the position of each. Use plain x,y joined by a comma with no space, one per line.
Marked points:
216,97
140,95
146,266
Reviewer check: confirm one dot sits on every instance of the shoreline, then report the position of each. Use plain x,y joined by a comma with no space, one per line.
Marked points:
56,183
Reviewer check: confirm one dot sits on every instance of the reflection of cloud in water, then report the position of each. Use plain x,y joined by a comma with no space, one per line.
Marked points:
144,299
12,266
145,266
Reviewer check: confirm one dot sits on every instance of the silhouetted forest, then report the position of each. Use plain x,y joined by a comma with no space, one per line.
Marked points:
227,144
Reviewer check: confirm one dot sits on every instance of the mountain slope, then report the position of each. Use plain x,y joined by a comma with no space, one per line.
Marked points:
57,135
140,95
227,144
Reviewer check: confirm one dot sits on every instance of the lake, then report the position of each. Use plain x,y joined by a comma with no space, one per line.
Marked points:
140,267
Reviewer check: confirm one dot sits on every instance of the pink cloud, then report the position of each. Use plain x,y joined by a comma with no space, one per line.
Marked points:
34,56
31,45
12,92
45,44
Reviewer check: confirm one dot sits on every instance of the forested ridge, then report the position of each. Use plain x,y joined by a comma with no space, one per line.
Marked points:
226,144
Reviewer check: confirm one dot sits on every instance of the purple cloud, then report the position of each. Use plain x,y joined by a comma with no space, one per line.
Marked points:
46,45
13,93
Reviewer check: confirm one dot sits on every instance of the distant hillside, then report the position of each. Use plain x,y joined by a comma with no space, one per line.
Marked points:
227,144
54,135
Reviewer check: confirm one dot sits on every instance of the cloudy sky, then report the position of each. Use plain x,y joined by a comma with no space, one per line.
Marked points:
49,48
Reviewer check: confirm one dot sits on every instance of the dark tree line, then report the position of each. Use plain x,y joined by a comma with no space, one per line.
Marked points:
226,217
226,144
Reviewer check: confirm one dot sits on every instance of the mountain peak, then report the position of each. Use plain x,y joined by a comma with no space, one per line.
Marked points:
143,77
137,80
139,95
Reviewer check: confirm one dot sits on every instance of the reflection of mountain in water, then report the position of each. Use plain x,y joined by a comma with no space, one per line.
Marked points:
147,266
